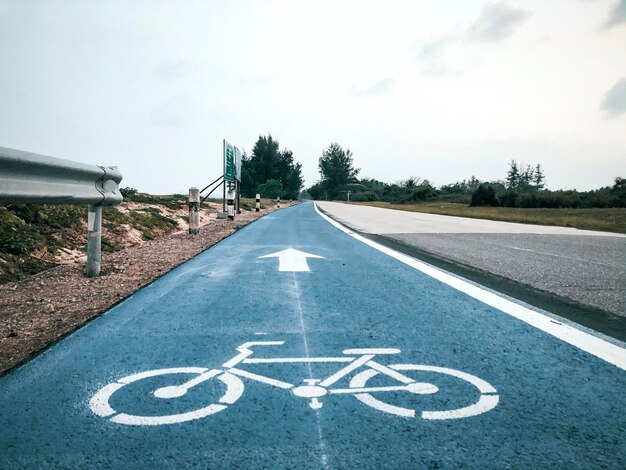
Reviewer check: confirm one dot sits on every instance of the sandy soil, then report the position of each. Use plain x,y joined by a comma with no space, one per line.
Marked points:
43,308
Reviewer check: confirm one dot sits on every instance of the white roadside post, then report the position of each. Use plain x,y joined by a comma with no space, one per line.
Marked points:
230,200
258,202
278,202
194,211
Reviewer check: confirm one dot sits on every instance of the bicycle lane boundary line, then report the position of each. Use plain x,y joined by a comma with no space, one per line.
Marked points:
320,433
591,344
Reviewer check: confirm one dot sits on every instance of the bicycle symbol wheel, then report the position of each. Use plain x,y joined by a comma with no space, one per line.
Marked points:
487,401
100,402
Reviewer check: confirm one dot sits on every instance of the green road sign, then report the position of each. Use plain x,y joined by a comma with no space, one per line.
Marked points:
229,162
238,164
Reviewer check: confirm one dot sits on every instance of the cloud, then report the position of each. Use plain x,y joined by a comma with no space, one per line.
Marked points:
179,111
543,40
497,22
176,69
377,89
617,15
615,99
433,55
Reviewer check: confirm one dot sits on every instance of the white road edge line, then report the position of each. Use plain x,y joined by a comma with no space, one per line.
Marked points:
598,347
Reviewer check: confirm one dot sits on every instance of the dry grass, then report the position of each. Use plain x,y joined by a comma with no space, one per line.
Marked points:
606,220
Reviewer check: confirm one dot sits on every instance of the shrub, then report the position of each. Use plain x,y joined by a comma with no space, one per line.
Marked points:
422,193
364,196
508,199
316,191
528,200
125,192
484,196
16,236
271,188
455,198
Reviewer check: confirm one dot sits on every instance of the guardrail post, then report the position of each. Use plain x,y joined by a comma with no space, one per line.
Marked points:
194,211
94,239
258,202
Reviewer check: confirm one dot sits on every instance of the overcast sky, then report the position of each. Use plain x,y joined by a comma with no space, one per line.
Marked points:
441,89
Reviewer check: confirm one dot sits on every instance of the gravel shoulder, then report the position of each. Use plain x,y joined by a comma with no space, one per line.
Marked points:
41,309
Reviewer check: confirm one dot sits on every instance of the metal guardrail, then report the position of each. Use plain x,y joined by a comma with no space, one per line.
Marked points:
30,178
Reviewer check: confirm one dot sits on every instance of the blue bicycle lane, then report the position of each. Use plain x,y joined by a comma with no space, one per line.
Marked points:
555,405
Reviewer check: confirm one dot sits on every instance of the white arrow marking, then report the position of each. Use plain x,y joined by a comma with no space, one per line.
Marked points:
291,260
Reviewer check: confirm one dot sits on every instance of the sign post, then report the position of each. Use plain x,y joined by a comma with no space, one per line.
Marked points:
229,170
232,177
237,180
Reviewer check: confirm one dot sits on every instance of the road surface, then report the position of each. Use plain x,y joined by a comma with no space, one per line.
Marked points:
297,344
585,268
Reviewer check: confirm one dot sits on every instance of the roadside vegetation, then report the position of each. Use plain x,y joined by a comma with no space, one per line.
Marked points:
271,172
520,197
34,238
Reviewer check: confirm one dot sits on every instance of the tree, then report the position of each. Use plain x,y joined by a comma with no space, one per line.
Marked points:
512,176
525,178
265,160
127,191
316,191
336,169
377,187
539,178
619,192
248,178
411,183
266,163
485,195
271,188
527,174
473,184
291,175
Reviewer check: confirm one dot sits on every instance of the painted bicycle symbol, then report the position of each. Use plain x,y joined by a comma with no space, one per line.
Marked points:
231,375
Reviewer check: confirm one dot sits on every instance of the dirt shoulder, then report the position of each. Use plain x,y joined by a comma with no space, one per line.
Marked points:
37,311
603,219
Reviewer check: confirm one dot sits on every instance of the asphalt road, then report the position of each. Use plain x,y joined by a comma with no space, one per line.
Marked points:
580,266
294,344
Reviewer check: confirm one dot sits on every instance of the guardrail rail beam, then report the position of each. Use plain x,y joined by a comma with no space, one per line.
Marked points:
30,178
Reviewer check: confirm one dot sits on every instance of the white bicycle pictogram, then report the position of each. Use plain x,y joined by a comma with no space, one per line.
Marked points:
231,376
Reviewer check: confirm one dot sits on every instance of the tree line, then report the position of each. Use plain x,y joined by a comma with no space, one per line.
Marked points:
270,171
523,186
